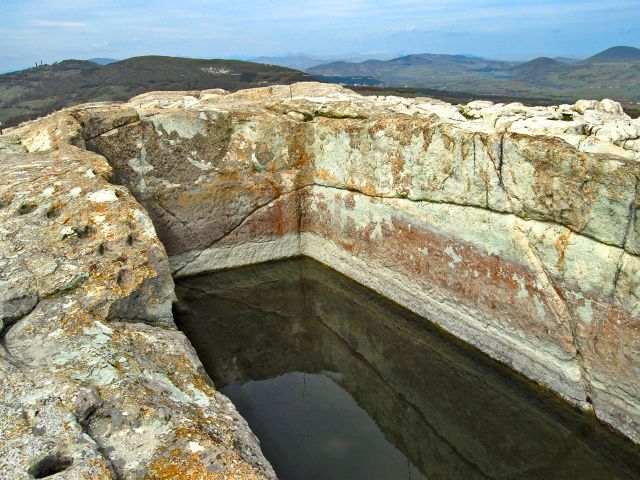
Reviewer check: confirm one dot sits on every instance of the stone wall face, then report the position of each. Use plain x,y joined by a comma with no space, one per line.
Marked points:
519,245
505,225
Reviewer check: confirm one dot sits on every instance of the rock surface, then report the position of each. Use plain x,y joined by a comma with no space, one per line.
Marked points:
95,380
515,228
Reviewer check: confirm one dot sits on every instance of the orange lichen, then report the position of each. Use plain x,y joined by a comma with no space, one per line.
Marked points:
181,465
561,245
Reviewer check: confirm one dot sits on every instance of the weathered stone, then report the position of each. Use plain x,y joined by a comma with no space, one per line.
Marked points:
490,220
95,381
596,126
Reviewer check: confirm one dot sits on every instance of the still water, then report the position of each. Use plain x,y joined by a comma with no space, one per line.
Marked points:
339,383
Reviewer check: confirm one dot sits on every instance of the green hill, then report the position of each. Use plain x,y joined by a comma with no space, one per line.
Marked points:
38,91
616,55
540,66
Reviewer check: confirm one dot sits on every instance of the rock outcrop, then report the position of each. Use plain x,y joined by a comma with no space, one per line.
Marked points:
514,228
95,380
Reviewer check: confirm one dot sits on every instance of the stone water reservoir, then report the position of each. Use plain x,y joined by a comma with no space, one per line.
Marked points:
513,228
338,382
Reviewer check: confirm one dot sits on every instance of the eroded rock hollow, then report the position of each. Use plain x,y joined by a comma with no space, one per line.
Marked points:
514,228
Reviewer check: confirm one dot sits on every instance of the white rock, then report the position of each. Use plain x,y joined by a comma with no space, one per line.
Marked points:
103,196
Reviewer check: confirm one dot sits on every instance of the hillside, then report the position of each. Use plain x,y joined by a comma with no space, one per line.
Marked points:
540,66
614,73
36,92
616,55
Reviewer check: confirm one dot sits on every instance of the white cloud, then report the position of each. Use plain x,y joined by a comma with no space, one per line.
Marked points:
57,24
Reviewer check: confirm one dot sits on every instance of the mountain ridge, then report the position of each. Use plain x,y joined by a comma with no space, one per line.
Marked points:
615,54
614,73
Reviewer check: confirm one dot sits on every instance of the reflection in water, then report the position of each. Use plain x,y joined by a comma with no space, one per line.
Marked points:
313,429
339,383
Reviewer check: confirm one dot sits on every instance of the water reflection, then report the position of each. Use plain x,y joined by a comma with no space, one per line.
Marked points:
312,429
385,395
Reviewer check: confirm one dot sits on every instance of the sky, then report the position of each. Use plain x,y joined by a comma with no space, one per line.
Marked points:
53,30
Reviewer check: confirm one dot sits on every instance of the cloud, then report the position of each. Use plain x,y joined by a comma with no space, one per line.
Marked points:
58,24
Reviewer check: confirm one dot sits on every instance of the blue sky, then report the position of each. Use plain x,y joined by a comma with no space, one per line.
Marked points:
510,29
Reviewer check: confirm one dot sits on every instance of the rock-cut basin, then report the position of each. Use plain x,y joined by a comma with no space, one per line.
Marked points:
515,229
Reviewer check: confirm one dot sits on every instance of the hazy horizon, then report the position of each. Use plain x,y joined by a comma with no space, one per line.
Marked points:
35,30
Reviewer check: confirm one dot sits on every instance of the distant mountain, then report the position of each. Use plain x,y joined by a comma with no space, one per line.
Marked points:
616,55
539,67
437,59
103,61
38,91
420,70
567,60
297,61
302,61
614,73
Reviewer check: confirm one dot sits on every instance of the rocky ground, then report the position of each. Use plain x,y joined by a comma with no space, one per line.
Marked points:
515,228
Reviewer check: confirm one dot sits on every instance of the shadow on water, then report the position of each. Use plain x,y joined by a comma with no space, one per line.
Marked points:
338,382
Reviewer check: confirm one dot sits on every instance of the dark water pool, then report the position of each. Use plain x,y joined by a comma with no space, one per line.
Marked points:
339,383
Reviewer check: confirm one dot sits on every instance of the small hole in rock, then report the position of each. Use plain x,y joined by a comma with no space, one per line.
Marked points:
26,208
50,465
121,277
101,249
53,212
130,240
83,232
